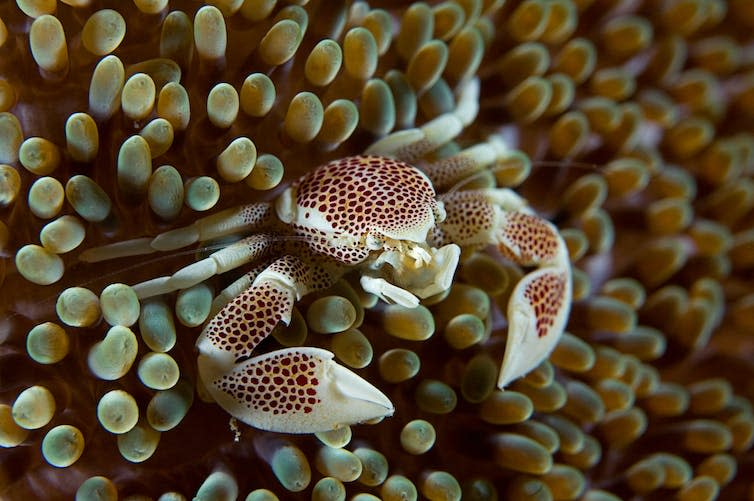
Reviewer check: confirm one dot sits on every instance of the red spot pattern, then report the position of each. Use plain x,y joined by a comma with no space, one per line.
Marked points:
413,151
534,237
448,171
308,276
258,214
469,214
363,194
290,266
346,252
249,318
470,217
546,294
282,384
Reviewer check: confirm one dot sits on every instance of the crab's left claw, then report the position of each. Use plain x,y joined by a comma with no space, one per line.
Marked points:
293,390
296,390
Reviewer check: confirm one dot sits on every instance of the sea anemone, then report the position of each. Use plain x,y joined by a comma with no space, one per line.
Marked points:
627,123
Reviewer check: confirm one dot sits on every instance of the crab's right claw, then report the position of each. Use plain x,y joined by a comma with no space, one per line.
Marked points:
296,390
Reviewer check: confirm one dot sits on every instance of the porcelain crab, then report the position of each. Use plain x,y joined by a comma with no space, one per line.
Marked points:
379,213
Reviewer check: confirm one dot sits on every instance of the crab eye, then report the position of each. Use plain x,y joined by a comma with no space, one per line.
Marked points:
374,242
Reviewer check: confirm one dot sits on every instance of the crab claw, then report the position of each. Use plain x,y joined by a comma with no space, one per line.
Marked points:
537,314
294,390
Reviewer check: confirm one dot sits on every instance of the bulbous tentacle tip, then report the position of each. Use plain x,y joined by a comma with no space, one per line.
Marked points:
295,390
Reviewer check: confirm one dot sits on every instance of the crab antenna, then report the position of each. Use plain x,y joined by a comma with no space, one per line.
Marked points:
567,163
140,247
538,163
120,271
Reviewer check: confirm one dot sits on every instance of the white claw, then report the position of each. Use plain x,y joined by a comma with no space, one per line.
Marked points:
520,351
363,400
333,396
529,343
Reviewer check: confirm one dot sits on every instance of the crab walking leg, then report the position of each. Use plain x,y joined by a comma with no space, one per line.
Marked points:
448,171
244,251
236,287
241,219
295,390
539,305
411,144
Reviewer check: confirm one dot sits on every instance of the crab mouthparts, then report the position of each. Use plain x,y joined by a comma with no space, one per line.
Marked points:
406,253
419,254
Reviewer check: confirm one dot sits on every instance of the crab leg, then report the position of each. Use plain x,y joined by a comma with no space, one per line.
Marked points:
539,305
244,251
411,144
446,172
294,390
234,220
236,287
